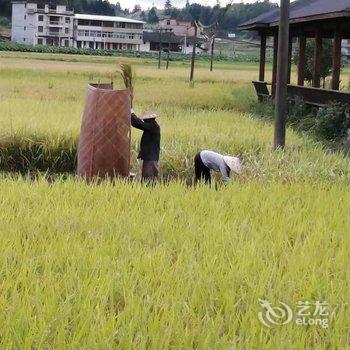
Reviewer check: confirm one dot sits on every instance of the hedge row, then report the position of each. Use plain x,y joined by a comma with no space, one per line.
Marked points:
9,46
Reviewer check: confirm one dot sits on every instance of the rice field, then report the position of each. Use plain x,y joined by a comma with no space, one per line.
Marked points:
120,265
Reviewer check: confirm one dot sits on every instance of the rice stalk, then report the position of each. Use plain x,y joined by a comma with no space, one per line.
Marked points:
128,74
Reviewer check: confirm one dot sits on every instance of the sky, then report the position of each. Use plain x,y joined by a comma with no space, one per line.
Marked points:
145,4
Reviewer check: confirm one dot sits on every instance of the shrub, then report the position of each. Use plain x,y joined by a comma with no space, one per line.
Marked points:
330,123
4,22
326,59
333,121
297,110
174,56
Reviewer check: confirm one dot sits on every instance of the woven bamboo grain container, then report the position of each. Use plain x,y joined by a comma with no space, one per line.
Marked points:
104,144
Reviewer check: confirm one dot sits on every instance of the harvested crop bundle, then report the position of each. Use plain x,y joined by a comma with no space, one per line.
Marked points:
128,75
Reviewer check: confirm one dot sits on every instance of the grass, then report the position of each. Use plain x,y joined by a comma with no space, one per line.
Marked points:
119,265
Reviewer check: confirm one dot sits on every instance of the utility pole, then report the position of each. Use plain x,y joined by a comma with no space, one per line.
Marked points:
212,53
193,52
282,77
167,58
160,47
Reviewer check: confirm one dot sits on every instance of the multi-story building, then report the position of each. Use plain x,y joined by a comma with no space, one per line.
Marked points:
35,22
107,32
178,27
39,23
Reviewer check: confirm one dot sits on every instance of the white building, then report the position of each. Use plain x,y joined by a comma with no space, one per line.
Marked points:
346,48
35,22
106,32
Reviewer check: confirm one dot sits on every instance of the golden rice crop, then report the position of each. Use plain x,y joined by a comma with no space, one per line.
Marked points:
126,266
122,265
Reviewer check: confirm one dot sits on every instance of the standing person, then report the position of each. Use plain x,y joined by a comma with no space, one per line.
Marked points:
205,161
150,144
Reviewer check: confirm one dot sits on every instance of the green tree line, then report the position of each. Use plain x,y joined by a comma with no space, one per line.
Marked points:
191,11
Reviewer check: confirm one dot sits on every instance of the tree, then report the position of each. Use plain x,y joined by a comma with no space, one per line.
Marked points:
152,15
143,16
137,8
326,59
167,7
5,8
118,9
174,13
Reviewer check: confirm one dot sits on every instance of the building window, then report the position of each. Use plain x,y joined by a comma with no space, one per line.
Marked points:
40,29
24,39
134,26
66,43
40,41
96,23
40,6
25,28
168,22
25,16
67,20
40,18
119,24
66,30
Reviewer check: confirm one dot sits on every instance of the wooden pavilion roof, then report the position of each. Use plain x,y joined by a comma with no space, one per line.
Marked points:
302,14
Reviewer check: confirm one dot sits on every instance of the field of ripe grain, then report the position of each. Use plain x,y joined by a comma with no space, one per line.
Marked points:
121,265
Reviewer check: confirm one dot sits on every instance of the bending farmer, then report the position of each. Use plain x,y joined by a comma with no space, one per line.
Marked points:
205,161
150,144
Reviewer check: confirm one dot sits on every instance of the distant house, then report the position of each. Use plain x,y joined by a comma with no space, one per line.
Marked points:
178,27
152,41
346,48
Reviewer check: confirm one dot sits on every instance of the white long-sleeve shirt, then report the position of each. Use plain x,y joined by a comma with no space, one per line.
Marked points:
215,161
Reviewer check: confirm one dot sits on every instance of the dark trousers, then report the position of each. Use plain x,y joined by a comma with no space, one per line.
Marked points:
201,171
150,171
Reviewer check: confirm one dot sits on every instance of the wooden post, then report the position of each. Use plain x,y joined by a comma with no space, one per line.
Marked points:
290,52
336,60
302,61
317,60
282,77
160,47
193,52
167,58
274,65
212,54
262,57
